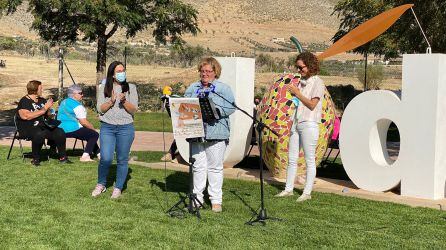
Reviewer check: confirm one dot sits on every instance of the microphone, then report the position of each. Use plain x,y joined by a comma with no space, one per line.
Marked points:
294,99
167,92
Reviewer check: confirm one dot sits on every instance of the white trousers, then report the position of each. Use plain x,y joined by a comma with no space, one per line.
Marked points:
303,135
209,165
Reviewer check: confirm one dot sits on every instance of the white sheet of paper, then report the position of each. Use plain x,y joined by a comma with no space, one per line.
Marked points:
186,116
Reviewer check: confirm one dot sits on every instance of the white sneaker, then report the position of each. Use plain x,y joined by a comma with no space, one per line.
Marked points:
216,208
99,189
116,193
85,159
304,197
284,194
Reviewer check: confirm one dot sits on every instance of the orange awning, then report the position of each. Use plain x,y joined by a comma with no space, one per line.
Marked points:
366,31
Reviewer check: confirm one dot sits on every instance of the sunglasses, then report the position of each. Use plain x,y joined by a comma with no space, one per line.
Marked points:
300,67
80,93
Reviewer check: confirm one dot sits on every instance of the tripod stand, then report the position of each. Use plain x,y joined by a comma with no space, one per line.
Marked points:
260,216
194,204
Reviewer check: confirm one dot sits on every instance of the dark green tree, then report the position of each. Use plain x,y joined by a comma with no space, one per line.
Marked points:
66,21
405,35
187,55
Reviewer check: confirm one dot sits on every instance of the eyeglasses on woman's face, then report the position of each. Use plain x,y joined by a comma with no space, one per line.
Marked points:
206,71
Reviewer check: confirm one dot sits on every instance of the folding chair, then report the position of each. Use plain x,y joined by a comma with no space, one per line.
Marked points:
334,141
19,138
75,141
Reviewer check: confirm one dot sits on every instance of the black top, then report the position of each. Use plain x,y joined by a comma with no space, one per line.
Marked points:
27,103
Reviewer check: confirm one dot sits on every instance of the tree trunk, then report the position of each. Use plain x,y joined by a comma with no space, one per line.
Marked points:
101,59
60,86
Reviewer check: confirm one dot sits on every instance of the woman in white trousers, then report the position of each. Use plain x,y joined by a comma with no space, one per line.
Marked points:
209,154
305,129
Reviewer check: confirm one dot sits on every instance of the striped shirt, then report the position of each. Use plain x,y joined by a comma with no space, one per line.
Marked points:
117,115
312,87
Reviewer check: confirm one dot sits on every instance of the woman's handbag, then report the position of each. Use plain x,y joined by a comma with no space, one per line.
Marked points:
51,123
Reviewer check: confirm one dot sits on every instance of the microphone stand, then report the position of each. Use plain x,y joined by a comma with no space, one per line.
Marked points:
194,205
260,216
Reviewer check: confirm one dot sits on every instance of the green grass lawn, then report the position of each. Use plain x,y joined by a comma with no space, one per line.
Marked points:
152,121
51,207
147,156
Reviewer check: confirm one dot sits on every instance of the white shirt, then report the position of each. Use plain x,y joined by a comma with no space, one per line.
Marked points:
312,87
81,113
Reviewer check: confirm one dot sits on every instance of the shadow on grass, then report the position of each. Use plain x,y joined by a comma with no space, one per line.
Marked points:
177,182
234,192
329,169
75,152
332,170
250,162
112,177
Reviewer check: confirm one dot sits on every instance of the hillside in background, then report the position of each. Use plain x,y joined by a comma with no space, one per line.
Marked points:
244,27
231,25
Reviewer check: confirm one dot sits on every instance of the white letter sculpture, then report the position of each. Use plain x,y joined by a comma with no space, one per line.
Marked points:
238,73
420,116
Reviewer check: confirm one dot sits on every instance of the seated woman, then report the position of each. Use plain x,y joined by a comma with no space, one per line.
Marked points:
31,112
73,117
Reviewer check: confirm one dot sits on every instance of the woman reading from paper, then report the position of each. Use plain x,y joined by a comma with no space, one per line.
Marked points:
305,129
117,103
209,155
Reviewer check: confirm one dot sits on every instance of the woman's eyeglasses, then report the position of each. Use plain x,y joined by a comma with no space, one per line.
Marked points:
206,71
80,93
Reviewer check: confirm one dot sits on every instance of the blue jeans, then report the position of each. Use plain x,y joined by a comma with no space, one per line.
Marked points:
119,138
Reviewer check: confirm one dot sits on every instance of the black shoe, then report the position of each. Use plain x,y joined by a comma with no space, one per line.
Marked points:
65,160
35,162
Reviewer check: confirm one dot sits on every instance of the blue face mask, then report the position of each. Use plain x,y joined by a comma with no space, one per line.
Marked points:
120,77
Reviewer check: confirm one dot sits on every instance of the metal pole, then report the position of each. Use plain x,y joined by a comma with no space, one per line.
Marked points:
429,48
365,72
60,89
125,57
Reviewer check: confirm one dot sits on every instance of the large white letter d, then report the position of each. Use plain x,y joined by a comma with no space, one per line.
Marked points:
420,116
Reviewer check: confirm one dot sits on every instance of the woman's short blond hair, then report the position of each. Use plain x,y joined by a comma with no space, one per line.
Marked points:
32,87
216,67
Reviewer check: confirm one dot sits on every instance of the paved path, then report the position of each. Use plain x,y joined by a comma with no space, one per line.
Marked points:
144,141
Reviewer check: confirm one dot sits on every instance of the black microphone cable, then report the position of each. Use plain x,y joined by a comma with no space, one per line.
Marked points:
164,150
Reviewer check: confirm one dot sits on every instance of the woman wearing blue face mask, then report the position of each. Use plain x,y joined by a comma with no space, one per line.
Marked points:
117,104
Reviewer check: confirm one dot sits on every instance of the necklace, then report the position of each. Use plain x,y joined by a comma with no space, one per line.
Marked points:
34,100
